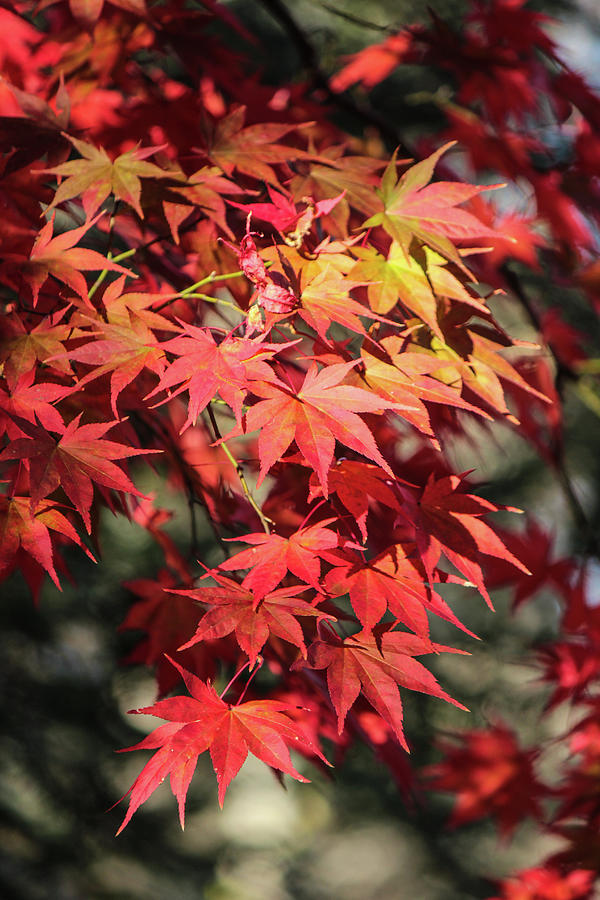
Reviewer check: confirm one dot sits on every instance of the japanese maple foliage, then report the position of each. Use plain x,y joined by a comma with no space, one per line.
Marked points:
201,274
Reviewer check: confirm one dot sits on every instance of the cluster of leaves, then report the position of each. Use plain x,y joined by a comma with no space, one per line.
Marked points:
549,149
292,331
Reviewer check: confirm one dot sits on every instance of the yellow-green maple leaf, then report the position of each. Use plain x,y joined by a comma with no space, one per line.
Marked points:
95,176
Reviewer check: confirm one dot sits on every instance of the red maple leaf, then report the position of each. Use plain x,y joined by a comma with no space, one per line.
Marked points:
282,213
168,619
32,402
375,664
58,256
22,529
357,484
233,607
271,557
322,411
449,521
373,64
490,775
21,350
123,345
205,721
548,883
393,581
75,461
206,368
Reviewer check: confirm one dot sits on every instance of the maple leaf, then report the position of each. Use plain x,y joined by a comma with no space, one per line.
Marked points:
535,546
412,281
486,370
58,256
75,461
21,350
548,883
204,721
393,581
202,190
32,402
282,213
205,368
124,345
449,520
374,63
251,616
252,150
376,663
490,775
271,557
324,299
409,378
95,177
413,208
356,483
22,529
353,177
322,411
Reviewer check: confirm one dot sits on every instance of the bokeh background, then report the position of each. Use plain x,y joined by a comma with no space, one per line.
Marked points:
65,695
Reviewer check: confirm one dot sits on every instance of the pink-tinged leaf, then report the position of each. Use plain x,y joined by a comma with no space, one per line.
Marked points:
32,402
206,368
253,617
321,412
448,520
75,461
272,556
95,176
412,208
58,256
252,150
20,528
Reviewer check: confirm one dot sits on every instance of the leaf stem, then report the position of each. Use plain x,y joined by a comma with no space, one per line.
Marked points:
258,663
230,682
218,300
309,514
124,255
264,520
210,279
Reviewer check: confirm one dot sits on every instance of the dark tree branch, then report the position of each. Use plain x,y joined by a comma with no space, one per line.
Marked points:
361,109
564,373
354,19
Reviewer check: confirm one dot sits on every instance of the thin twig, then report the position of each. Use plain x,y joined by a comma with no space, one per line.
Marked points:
264,520
193,498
